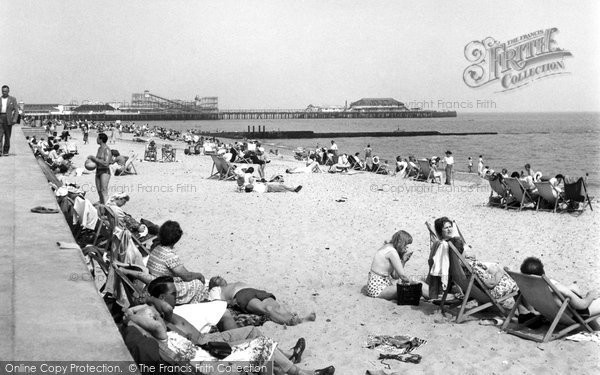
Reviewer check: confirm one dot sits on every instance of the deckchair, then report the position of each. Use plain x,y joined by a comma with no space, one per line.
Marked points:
472,286
209,148
461,274
577,192
215,171
168,153
412,171
501,191
540,293
546,192
425,171
129,167
72,148
67,206
150,153
355,163
224,170
107,222
519,192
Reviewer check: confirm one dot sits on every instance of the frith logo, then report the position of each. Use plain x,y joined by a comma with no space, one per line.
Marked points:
516,62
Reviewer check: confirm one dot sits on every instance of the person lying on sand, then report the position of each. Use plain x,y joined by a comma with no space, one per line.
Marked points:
388,266
250,185
253,301
585,306
311,166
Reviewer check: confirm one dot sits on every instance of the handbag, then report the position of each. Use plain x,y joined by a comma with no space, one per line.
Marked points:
217,349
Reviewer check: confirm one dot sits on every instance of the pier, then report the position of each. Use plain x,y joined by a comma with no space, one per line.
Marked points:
238,114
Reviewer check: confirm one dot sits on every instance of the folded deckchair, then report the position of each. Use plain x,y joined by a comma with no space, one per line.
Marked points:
501,191
540,293
547,193
576,192
129,167
516,189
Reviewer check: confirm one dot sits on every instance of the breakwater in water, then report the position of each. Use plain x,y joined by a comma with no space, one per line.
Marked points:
307,134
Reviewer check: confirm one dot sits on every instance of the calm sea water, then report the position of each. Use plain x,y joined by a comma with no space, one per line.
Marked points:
551,142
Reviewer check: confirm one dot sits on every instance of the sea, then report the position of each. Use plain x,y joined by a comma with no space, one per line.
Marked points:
557,142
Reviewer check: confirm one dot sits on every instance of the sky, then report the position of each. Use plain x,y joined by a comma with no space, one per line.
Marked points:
289,54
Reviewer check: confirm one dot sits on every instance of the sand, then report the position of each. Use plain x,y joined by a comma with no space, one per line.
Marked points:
314,253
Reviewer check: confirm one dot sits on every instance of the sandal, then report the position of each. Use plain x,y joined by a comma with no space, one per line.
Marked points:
298,350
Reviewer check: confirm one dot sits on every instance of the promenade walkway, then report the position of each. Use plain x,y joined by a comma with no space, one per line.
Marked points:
49,306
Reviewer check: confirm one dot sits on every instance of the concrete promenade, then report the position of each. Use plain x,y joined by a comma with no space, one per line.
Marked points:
49,306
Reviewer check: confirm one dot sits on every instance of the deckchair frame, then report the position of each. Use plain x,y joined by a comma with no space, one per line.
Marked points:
168,153
128,164
500,189
224,170
425,171
545,191
518,191
533,288
151,153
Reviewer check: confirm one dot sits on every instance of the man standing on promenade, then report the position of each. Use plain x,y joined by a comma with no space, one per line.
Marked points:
8,116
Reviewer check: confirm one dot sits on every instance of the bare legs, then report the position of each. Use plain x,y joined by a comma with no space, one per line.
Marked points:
102,186
276,312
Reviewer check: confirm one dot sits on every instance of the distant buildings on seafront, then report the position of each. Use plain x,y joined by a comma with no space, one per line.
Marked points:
150,104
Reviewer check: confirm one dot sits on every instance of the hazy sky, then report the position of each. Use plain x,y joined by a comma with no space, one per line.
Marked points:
288,54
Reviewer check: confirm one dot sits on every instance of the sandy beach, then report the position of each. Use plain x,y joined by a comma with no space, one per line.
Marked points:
314,253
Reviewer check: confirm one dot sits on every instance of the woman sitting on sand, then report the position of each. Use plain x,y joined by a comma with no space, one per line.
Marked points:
388,266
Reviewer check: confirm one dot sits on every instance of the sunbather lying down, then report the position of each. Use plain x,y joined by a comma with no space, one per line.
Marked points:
254,301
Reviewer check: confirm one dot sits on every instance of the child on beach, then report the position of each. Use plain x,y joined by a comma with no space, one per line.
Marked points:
253,301
470,164
480,166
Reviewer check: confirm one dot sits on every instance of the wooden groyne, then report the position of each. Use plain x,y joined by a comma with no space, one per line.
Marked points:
301,134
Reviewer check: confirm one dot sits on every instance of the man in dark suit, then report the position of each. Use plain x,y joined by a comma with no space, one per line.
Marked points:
9,114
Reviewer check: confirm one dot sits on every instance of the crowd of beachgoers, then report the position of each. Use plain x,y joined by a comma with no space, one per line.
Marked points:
180,311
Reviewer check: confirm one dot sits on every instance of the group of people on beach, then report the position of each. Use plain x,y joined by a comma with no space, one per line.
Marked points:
389,268
171,285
